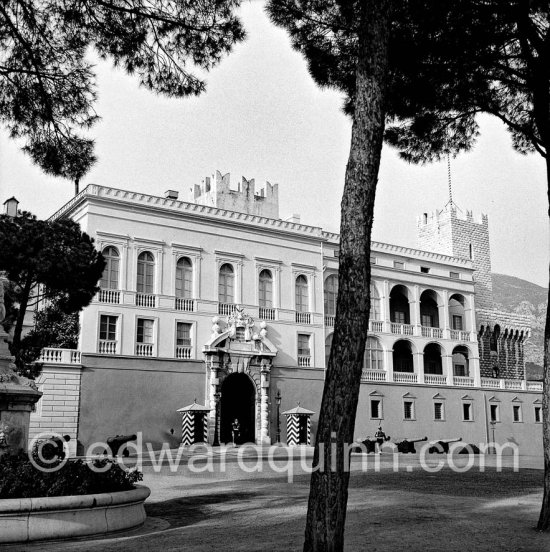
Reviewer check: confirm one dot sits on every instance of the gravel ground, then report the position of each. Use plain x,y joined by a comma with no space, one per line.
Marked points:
387,511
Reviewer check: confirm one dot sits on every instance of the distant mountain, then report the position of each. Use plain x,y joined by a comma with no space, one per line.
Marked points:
516,295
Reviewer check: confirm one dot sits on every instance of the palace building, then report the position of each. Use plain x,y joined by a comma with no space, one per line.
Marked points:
217,306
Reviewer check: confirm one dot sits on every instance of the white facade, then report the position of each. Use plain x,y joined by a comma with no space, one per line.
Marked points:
177,270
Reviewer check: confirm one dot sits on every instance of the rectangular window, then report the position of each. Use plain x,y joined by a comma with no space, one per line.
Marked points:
145,330
107,328
183,334
424,269
517,412
460,370
493,408
438,411
538,418
399,264
427,320
375,409
408,410
454,275
467,412
372,259
303,345
399,317
457,322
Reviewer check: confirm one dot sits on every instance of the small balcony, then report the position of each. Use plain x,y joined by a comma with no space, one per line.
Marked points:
111,296
405,377
329,321
183,353
376,326
303,318
463,381
266,313
186,305
144,349
373,375
107,347
435,379
147,300
225,308
402,329
436,333
304,361
459,335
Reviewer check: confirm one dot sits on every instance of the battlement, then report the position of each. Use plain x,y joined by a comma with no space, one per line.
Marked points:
450,213
216,191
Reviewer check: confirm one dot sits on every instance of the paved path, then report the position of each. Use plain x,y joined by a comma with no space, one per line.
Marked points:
388,511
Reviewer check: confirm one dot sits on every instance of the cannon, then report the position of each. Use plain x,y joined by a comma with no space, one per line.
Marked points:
368,444
442,445
117,442
407,445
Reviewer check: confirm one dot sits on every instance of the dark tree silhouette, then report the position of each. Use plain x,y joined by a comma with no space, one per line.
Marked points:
47,87
47,261
417,72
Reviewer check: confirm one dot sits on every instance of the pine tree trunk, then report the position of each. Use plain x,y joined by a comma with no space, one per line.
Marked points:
544,518
18,330
329,488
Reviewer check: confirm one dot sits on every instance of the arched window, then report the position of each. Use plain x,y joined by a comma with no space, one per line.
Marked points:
331,293
226,284
374,303
184,278
109,280
302,300
460,361
265,288
146,273
374,354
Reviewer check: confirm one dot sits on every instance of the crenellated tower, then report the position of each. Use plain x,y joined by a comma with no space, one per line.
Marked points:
452,232
501,335
215,191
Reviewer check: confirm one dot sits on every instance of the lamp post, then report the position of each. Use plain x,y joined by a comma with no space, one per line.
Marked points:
217,397
278,401
493,424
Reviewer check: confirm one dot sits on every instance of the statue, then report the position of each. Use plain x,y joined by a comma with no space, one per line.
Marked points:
18,392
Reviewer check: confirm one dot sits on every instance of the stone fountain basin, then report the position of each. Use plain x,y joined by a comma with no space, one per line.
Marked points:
65,517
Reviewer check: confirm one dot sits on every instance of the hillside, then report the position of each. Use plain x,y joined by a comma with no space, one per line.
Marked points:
516,295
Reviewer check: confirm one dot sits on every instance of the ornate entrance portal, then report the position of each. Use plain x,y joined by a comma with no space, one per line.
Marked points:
238,365
238,401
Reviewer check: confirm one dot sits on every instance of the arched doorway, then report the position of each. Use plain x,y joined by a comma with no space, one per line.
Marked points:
238,401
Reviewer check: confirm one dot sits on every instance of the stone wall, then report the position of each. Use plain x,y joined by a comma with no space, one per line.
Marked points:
57,411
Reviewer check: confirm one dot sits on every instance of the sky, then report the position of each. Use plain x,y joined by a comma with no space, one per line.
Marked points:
263,117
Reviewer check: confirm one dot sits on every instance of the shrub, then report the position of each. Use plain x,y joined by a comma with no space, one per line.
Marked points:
19,478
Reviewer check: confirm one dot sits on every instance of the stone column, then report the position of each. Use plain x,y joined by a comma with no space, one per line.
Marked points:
388,363
418,361
213,367
265,439
385,306
447,362
414,308
445,320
